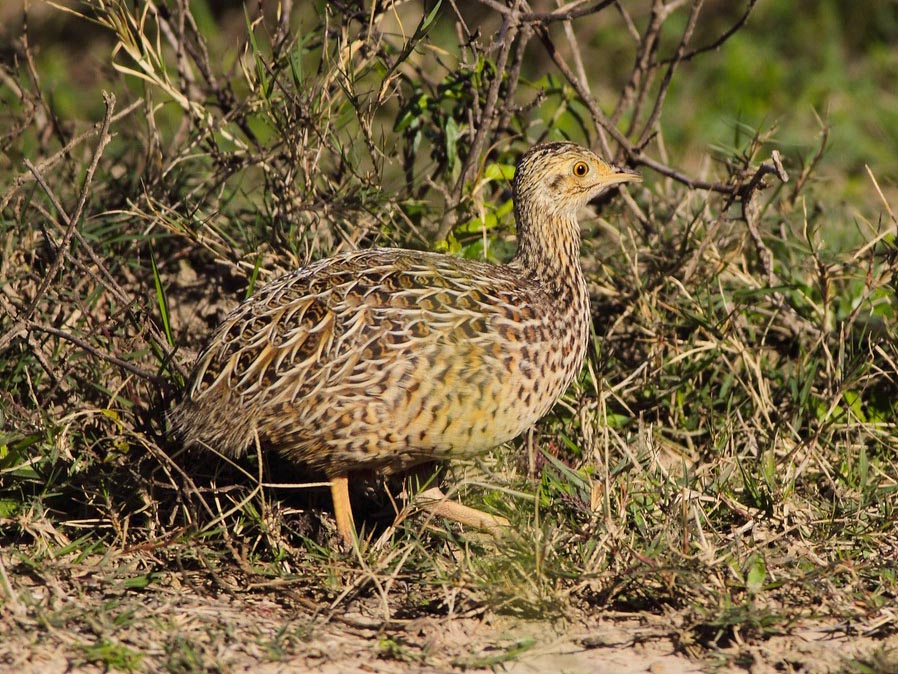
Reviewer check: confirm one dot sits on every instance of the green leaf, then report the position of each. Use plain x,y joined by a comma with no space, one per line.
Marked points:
161,300
489,221
262,76
9,507
255,277
855,403
450,246
757,574
452,134
499,172
140,582
430,18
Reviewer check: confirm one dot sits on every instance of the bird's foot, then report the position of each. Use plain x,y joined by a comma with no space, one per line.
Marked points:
434,501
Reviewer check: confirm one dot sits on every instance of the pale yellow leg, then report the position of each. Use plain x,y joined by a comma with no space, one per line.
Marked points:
342,507
433,500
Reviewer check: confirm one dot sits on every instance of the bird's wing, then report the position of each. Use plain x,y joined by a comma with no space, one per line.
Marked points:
333,320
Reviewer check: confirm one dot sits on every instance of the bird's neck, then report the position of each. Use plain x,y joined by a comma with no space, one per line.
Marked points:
549,254
549,251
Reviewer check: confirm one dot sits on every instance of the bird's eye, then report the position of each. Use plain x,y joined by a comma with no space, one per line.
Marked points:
581,169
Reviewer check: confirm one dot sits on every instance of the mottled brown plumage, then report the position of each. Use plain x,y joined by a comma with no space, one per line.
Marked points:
384,359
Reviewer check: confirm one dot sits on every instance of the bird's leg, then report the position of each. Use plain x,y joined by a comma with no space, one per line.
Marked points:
342,507
433,500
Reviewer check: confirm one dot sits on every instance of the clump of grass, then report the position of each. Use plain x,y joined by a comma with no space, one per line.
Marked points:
728,453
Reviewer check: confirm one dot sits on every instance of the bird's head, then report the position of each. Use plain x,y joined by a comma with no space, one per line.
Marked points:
560,178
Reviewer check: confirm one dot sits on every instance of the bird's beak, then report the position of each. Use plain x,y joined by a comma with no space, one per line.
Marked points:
618,175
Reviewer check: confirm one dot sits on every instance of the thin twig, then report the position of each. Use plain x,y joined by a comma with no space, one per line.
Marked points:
747,193
105,277
809,168
567,12
726,35
634,94
640,159
77,341
592,105
649,128
634,154
65,151
505,38
57,263
583,81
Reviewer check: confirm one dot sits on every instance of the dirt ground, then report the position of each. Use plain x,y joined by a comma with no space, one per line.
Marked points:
79,621
620,644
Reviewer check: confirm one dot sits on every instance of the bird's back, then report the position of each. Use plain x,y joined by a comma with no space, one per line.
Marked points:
383,359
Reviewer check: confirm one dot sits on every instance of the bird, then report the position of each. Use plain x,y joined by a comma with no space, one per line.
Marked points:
385,359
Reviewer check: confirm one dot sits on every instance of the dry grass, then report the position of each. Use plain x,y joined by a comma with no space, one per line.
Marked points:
725,467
